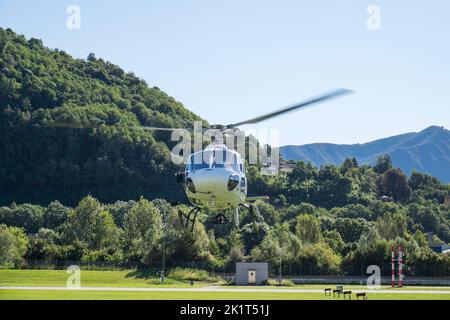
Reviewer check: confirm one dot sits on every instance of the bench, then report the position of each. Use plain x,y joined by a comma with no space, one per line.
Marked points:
363,295
349,293
338,291
327,291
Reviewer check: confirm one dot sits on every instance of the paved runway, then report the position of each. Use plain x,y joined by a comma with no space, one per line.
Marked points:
221,289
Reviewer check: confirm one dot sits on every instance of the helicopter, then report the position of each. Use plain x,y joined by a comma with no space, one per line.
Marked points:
214,178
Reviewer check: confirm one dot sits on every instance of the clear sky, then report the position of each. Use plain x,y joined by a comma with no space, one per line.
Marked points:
231,60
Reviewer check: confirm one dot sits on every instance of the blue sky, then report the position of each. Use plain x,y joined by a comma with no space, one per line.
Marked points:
231,60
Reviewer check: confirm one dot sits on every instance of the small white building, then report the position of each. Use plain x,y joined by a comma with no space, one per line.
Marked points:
251,273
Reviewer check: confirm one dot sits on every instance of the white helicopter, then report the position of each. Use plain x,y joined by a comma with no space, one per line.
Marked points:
214,179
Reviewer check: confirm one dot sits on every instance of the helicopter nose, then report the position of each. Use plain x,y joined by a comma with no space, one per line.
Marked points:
211,180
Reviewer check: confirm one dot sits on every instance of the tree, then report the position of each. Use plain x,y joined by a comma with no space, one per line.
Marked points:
26,216
91,225
384,163
357,261
236,250
13,246
292,211
55,215
392,225
333,188
334,240
119,209
394,183
427,187
308,229
302,182
253,233
42,246
279,246
267,212
348,164
181,245
351,229
143,230
319,258
354,211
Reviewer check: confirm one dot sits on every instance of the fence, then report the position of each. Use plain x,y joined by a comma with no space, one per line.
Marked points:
287,269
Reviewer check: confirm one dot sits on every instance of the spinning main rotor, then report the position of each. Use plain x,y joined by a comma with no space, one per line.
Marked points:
95,122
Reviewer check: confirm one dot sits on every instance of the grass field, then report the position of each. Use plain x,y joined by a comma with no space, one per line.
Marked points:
105,295
134,279
89,278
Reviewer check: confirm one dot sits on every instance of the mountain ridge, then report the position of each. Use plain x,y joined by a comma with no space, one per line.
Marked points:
427,151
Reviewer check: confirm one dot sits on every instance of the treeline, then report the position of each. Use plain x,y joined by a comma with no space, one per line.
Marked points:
336,240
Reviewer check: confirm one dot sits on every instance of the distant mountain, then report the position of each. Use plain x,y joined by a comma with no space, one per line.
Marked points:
427,151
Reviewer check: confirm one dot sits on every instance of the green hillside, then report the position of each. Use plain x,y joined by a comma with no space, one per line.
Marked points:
38,163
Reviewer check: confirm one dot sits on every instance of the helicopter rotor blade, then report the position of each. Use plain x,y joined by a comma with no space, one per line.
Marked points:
159,128
327,96
69,125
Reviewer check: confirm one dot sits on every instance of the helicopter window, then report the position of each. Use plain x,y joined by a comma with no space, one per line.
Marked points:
236,163
219,159
225,159
199,161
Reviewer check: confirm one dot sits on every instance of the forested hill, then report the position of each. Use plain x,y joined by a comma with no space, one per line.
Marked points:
39,163
427,151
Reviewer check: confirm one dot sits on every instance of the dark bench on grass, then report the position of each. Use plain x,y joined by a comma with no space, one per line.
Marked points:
327,291
338,291
349,293
363,295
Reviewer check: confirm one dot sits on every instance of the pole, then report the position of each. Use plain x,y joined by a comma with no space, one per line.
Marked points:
392,267
164,247
400,266
164,256
279,274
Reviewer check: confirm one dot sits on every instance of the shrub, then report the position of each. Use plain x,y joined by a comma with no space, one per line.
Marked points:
191,274
284,283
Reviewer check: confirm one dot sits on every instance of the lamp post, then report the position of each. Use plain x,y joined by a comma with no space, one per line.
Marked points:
279,274
163,266
163,254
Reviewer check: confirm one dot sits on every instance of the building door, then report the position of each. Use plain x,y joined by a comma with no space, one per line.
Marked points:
252,276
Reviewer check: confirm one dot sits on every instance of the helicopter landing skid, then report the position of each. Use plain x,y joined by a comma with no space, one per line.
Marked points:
187,220
251,209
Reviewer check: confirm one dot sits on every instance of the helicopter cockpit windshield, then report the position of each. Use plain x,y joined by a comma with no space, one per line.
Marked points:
213,159
224,159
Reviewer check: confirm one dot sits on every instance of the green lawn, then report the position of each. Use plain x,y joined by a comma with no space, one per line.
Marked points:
137,279
347,286
105,295
89,278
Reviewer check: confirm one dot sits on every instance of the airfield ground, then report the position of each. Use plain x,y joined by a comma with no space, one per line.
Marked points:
50,284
